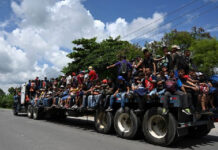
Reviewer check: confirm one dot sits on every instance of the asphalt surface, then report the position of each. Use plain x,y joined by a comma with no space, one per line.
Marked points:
21,133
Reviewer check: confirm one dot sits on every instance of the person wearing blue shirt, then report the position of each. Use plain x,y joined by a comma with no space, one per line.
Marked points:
174,86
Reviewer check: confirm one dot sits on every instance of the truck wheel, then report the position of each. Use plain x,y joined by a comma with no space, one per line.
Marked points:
126,123
199,132
36,114
30,111
159,129
103,121
15,112
62,115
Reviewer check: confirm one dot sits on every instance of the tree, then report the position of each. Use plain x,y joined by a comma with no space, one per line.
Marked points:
205,54
2,93
182,38
12,91
199,33
88,52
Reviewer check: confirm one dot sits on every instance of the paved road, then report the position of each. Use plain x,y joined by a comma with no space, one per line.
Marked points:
21,133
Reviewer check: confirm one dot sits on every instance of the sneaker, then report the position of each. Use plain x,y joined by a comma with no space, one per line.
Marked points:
66,106
164,111
109,109
187,111
74,106
138,110
207,112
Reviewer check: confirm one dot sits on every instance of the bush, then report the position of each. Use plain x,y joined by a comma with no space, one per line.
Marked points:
6,101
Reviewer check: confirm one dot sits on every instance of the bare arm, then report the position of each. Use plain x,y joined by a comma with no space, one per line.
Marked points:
117,91
155,69
183,89
128,90
139,63
111,66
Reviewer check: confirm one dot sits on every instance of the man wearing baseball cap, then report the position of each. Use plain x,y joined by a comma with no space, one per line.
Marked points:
176,56
123,88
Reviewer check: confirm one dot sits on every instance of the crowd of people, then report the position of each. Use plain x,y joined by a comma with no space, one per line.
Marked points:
143,78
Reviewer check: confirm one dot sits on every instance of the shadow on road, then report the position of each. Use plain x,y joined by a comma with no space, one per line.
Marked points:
195,143
183,143
76,123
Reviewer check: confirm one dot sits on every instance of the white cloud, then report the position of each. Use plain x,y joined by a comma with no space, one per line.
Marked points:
45,26
214,29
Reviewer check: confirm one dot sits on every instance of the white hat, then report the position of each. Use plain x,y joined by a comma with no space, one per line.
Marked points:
176,47
199,73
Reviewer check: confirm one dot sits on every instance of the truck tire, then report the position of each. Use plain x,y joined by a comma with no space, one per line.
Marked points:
62,115
103,121
159,129
30,112
36,114
15,112
199,131
126,123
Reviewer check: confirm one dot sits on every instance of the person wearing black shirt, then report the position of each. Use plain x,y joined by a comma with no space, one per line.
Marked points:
147,62
122,89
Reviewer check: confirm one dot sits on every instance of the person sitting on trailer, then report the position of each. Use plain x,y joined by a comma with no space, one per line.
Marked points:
123,89
93,99
161,79
32,89
85,93
39,96
150,82
92,74
139,92
79,96
108,88
47,99
64,96
55,96
17,102
73,96
175,87
190,88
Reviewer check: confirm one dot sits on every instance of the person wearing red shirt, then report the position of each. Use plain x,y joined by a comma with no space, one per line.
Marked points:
92,74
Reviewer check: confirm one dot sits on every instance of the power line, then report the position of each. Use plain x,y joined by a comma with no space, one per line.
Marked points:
174,19
180,23
168,14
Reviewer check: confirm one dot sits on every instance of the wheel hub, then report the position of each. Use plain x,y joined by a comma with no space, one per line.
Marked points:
124,122
157,126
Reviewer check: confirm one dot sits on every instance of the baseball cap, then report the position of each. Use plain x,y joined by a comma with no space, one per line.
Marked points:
175,47
120,78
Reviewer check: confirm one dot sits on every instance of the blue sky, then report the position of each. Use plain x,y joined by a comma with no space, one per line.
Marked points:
109,10
36,35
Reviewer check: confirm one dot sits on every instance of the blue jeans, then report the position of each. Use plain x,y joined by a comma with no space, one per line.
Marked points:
121,96
93,100
85,99
161,92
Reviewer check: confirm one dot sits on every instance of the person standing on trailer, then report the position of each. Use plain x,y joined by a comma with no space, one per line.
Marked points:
147,62
123,67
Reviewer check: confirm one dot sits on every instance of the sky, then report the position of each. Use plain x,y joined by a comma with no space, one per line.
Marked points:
36,35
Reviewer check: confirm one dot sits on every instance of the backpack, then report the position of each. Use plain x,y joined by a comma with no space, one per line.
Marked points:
214,80
123,68
171,85
148,84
